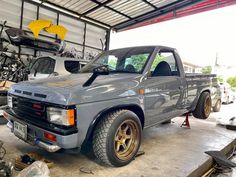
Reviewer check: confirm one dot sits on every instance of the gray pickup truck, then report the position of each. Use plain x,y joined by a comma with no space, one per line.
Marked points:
108,103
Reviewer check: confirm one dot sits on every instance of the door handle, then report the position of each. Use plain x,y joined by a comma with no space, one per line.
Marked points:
181,87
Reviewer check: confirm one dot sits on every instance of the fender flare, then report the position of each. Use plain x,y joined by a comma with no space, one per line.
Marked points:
98,117
198,96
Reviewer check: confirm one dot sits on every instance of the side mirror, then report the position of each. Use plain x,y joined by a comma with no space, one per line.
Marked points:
101,70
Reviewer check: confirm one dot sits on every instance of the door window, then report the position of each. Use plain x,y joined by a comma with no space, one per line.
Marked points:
164,65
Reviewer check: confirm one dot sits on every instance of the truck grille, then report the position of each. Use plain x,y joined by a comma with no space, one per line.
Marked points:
29,109
35,112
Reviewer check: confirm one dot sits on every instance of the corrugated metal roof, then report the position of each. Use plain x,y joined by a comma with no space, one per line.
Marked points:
160,3
121,14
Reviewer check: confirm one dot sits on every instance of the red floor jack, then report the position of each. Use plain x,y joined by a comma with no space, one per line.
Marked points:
186,121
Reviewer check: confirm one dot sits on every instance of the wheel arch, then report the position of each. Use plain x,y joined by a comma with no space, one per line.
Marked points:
198,96
132,107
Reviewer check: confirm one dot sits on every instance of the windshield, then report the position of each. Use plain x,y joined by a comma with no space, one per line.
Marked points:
129,60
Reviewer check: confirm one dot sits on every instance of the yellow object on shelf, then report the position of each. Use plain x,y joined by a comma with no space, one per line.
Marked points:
37,25
57,29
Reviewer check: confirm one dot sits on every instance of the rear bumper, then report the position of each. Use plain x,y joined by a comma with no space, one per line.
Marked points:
35,136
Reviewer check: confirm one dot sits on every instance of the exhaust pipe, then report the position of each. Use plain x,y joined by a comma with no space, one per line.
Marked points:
48,147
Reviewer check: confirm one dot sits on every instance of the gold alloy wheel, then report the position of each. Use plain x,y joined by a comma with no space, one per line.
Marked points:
126,140
207,106
218,103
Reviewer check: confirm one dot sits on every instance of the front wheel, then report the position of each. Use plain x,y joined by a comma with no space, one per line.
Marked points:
203,108
117,138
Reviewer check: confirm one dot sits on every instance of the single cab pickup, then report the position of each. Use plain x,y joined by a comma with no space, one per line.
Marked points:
108,103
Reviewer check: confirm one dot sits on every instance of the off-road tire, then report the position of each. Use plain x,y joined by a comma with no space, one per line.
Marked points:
105,137
200,111
217,106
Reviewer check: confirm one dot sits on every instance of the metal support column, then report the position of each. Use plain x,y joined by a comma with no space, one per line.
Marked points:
108,40
85,29
37,17
21,24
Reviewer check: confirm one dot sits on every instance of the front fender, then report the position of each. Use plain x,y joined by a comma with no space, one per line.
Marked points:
137,109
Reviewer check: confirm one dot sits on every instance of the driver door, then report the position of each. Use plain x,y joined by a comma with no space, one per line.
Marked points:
163,89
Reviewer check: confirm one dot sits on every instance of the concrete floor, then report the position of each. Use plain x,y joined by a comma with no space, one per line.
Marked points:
170,151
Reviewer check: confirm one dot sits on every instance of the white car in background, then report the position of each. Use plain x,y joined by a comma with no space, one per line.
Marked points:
227,95
50,66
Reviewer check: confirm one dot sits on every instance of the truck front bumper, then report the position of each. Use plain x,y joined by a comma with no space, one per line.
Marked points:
36,136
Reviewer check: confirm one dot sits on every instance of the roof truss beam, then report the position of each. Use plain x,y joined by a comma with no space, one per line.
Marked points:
97,7
160,11
133,13
118,12
150,4
43,3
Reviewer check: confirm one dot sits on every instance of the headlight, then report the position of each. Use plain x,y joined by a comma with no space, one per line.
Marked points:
61,116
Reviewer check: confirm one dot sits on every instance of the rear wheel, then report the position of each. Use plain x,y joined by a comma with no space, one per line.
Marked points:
203,108
217,106
117,138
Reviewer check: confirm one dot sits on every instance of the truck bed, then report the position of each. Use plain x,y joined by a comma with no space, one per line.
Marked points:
194,75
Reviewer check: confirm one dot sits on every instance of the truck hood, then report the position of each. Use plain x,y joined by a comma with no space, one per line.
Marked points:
69,90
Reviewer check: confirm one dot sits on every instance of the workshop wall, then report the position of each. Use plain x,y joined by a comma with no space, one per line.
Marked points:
84,39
